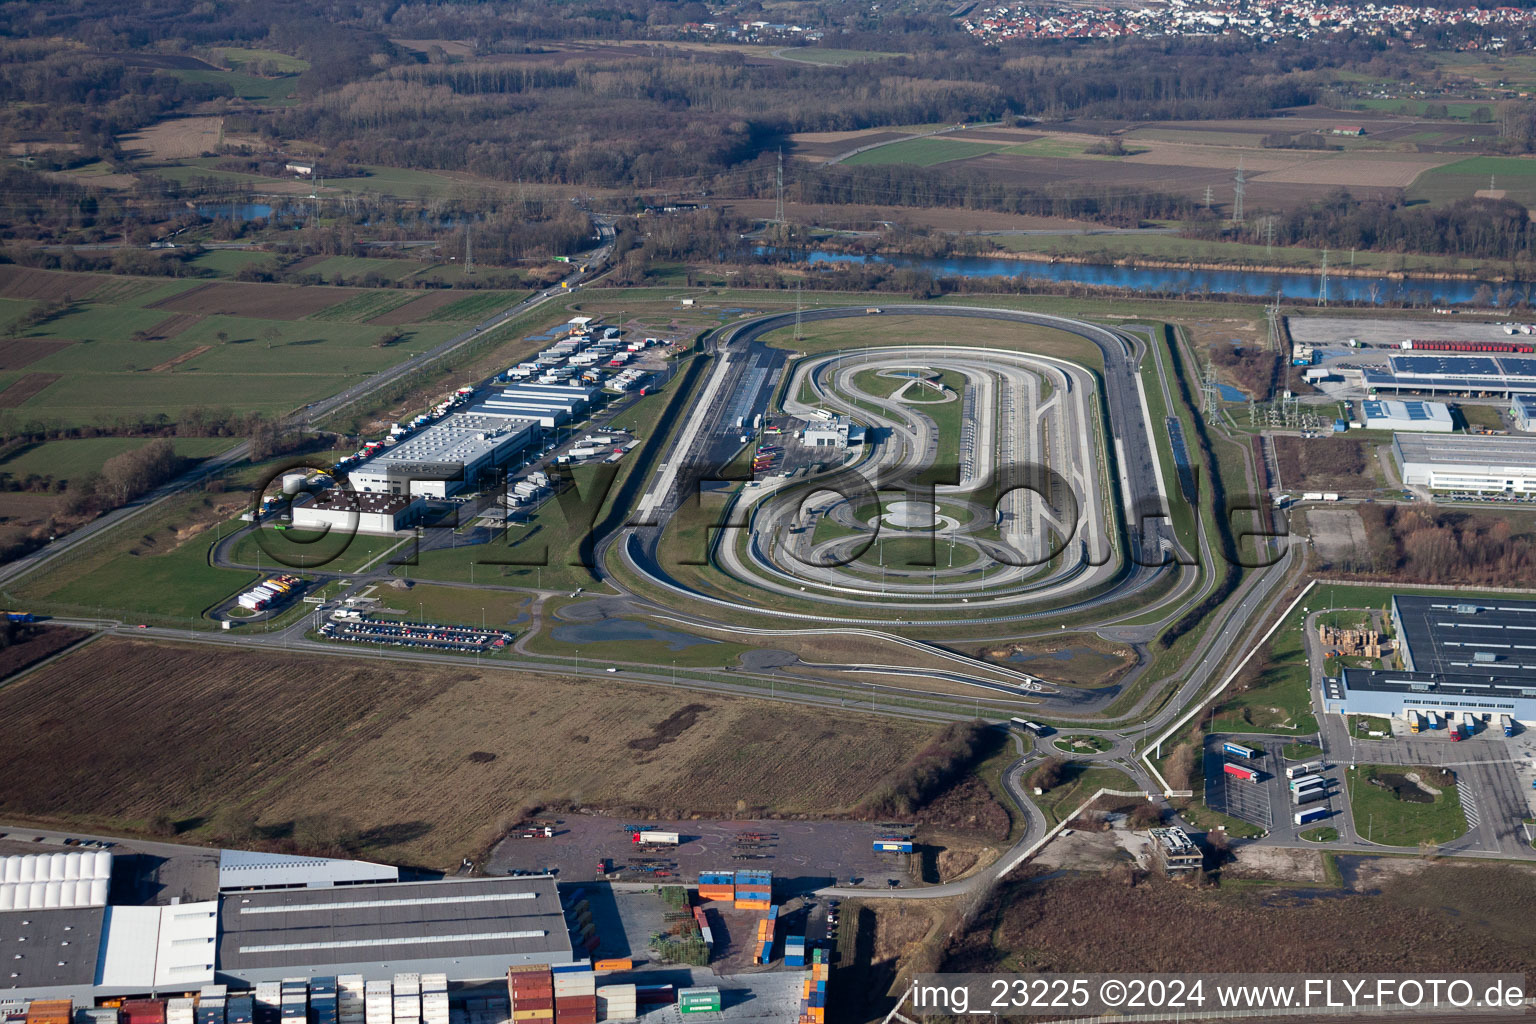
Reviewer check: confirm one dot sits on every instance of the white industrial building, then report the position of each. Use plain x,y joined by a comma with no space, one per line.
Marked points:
1467,462
834,433
1407,416
358,512
453,453
251,869
1523,410
549,404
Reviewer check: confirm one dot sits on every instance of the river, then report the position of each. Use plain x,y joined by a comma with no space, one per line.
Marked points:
1171,281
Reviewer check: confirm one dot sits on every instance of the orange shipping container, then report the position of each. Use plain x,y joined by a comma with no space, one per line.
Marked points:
533,1014
615,964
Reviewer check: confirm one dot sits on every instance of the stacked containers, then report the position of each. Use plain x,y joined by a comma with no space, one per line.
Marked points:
717,885
698,1000
434,998
96,1015
142,1011
575,996
322,1001
378,1003
269,1001
350,994
754,890
50,1011
623,963
182,1010
617,1002
240,1009
532,990
765,930
407,1003
794,951
813,993
293,1002
704,932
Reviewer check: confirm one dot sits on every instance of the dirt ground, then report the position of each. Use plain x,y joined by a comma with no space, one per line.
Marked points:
173,325
417,309
1325,464
27,387
1337,533
1278,864
16,353
395,756
1091,851
262,301
17,282
175,139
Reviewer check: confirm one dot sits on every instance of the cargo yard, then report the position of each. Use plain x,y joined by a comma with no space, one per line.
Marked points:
797,852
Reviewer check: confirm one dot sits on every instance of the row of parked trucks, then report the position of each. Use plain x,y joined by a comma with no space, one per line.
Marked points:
269,592
1461,725
580,355
399,431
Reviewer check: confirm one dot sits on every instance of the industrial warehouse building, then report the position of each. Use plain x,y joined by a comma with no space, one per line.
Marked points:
1407,416
63,941
548,404
454,453
1522,408
1457,656
472,928
250,869
1500,376
1464,462
357,512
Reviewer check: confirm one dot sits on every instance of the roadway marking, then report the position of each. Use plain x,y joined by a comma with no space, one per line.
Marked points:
1469,806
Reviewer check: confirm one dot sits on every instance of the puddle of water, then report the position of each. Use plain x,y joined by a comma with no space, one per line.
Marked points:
609,630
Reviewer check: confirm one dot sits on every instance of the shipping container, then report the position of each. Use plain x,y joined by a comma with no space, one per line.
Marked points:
1246,774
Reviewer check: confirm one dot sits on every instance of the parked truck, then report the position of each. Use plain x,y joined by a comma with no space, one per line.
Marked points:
1238,771
1434,720
1310,814
1508,723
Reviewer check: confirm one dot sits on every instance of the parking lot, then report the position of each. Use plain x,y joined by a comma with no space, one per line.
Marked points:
1266,803
417,635
803,855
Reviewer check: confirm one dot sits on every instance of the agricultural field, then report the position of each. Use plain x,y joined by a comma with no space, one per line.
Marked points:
353,267
229,262
474,308
74,458
134,347
1515,177
924,152
398,753
176,138
237,57
262,92
829,55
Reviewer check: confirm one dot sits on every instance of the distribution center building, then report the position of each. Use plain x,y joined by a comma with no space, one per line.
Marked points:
1407,416
357,512
548,404
1523,409
1458,657
473,928
1487,375
250,869
1467,462
453,453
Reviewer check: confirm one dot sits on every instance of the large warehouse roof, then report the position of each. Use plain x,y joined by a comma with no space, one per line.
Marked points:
1452,637
248,869
447,446
1398,415
1493,452
55,880
61,948
361,928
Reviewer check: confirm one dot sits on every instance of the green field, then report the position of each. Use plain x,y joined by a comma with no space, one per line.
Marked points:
287,64
925,152
403,183
1381,817
266,92
365,307
355,267
1516,176
74,458
307,549
1079,782
494,609
475,308
229,262
1281,698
